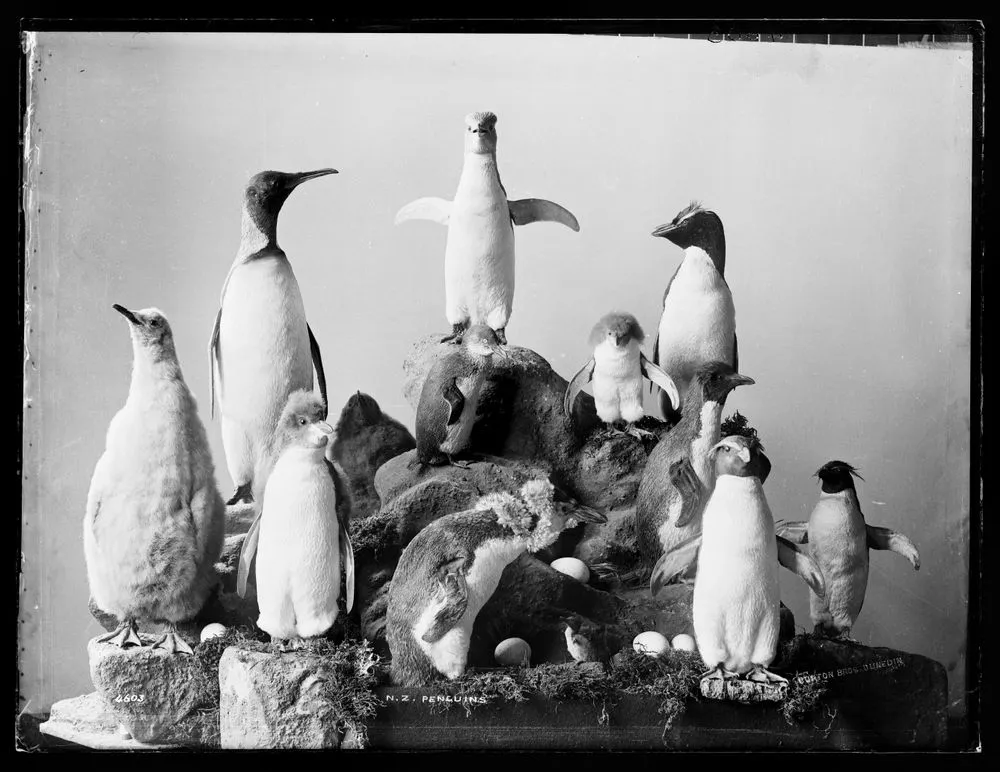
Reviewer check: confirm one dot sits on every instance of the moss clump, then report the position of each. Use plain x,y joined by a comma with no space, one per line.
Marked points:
738,424
208,653
672,679
374,533
483,687
574,683
802,700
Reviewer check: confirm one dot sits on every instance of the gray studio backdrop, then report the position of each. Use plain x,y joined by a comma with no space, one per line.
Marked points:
842,175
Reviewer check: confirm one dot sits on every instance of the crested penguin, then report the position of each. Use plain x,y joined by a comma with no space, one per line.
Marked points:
839,540
300,535
698,323
617,369
155,521
479,252
658,504
262,349
452,567
449,398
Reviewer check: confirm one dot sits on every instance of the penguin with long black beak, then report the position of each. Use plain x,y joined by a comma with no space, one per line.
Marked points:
839,540
698,323
262,349
617,369
479,252
449,398
155,520
300,536
452,567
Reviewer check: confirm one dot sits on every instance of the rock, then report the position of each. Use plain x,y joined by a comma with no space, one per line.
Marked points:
87,721
740,690
239,518
270,700
365,438
668,614
158,696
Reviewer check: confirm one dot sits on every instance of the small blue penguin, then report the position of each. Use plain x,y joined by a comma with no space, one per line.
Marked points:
839,541
155,520
452,567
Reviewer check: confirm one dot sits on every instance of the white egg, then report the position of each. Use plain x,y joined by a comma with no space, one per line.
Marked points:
214,630
651,643
572,567
512,651
683,642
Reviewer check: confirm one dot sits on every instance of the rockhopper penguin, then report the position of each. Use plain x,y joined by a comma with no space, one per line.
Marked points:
839,541
155,521
452,567
479,252
261,349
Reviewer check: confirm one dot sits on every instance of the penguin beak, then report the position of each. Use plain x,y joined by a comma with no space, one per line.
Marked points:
666,231
292,181
126,313
324,427
741,380
619,339
588,515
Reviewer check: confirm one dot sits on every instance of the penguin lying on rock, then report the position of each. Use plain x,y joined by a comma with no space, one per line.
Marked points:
155,520
617,369
451,569
839,541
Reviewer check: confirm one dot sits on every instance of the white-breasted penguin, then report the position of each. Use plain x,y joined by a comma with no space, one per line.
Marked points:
479,252
839,540
698,323
736,602
452,567
262,349
449,398
300,535
617,369
155,520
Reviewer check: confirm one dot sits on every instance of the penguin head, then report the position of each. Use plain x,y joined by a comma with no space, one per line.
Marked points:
482,343
617,329
741,457
837,476
266,192
150,329
695,226
714,381
360,411
577,643
549,517
302,422
481,133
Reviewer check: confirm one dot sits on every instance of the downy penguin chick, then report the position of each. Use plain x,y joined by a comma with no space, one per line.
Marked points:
617,369
262,348
698,323
449,398
479,252
452,567
588,641
155,520
839,541
300,535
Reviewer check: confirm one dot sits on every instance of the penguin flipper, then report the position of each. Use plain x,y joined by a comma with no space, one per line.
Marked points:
792,558
736,354
213,361
455,399
318,364
343,519
886,539
453,586
674,563
435,209
796,532
529,210
690,488
582,377
657,375
247,552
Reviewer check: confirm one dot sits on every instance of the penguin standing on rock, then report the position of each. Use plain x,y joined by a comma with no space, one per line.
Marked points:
262,348
839,541
698,323
155,521
452,567
479,253
449,398
617,369
300,535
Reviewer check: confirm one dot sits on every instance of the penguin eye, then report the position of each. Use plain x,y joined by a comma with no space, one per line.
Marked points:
154,322
302,421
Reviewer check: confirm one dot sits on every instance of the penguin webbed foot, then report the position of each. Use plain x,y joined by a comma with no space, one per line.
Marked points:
173,643
719,673
125,635
640,434
455,337
501,336
762,675
463,463
243,492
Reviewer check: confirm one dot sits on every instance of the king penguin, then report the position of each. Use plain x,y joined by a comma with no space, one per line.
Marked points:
155,520
452,567
839,541
698,323
300,535
262,348
479,252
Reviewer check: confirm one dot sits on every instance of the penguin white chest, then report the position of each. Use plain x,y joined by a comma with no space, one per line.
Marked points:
736,597
298,558
617,381
838,542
